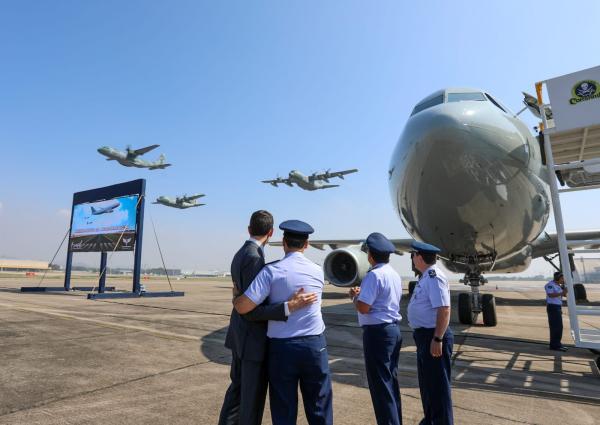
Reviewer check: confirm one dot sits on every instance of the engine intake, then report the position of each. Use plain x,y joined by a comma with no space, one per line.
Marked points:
346,267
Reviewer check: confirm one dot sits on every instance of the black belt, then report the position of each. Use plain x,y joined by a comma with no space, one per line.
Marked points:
395,322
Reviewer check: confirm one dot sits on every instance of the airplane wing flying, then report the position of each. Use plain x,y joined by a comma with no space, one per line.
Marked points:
147,149
402,245
192,197
548,243
275,182
328,175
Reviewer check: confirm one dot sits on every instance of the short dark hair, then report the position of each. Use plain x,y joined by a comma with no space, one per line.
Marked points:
429,257
557,276
380,257
261,223
294,241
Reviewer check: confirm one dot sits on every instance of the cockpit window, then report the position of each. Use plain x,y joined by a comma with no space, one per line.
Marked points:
459,97
428,104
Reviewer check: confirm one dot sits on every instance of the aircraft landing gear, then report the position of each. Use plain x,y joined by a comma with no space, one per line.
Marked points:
473,303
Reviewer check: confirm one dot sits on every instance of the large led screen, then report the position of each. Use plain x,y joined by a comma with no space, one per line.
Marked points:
104,226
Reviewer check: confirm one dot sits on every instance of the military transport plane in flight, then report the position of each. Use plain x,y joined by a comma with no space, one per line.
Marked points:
129,157
467,176
311,182
181,202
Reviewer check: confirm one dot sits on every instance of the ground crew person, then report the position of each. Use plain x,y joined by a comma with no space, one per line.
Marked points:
377,301
297,347
555,290
429,316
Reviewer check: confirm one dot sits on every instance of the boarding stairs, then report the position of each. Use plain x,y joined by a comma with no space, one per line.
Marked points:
574,155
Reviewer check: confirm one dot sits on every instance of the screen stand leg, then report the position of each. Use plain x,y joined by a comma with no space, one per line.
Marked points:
102,281
68,271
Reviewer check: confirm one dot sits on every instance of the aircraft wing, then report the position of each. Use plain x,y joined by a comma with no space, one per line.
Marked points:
328,175
275,182
548,243
147,149
192,197
402,245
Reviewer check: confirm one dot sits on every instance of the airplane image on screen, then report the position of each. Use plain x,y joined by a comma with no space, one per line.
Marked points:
469,177
105,210
311,182
181,202
130,157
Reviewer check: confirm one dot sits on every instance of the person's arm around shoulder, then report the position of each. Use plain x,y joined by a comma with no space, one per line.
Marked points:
257,292
278,311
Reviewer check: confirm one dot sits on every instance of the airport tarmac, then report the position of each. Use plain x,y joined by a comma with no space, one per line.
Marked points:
67,360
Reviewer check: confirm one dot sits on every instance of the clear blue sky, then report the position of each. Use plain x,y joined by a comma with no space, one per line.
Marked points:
239,91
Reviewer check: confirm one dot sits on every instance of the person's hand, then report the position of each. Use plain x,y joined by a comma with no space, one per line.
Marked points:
354,291
436,348
300,300
234,291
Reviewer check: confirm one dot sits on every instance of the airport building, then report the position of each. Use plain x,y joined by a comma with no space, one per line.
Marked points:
23,266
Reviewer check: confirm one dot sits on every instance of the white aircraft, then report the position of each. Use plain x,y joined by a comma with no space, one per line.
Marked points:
468,177
181,202
311,182
106,209
129,158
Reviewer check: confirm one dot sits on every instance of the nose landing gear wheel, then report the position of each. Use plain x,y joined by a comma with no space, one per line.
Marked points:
488,308
465,310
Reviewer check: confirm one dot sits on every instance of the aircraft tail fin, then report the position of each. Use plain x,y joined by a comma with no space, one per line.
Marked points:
329,186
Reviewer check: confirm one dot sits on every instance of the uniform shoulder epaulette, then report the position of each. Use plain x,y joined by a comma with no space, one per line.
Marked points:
432,273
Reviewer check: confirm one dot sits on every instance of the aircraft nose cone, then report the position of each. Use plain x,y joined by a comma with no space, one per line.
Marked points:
460,181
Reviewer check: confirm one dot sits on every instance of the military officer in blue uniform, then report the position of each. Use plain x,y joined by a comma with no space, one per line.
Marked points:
297,347
377,301
555,290
429,317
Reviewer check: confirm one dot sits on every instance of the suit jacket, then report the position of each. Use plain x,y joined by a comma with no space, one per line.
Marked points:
247,334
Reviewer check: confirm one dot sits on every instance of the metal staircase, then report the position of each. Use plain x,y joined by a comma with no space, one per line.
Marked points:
574,155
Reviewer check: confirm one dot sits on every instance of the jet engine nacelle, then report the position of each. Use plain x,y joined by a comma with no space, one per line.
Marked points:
346,267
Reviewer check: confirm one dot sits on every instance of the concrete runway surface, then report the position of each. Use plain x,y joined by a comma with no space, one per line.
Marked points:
67,360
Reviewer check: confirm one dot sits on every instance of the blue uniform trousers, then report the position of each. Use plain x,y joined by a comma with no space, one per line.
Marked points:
434,377
556,324
300,360
381,345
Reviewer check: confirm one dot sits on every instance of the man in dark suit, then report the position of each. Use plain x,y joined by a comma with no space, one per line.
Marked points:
247,334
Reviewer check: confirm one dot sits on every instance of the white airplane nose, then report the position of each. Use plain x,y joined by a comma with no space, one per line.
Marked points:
461,179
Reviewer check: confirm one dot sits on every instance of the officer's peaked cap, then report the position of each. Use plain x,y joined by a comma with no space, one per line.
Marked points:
297,227
378,243
425,248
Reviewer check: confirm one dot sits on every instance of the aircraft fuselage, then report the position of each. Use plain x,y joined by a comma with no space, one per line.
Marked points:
129,160
305,183
467,176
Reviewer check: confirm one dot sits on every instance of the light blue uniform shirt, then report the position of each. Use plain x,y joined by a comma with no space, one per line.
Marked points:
278,281
381,288
431,292
553,288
